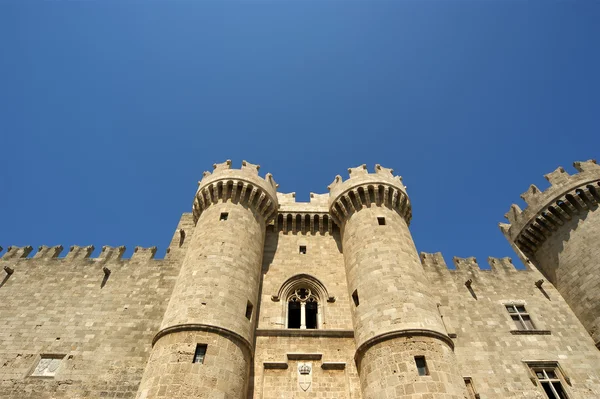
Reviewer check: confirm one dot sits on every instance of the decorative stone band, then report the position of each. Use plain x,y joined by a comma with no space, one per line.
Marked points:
245,344
402,333
311,222
381,188
547,211
242,186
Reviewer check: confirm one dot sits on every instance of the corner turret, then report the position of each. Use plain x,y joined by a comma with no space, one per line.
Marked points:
559,232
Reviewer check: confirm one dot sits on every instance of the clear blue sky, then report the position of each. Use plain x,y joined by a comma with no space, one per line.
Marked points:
111,110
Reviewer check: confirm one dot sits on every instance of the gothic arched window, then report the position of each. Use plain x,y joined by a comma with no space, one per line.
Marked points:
303,309
303,298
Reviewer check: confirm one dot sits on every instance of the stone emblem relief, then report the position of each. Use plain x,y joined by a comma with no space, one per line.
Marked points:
47,367
305,376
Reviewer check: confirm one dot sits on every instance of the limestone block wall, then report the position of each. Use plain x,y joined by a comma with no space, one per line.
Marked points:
216,295
560,231
101,325
333,373
488,348
570,258
323,261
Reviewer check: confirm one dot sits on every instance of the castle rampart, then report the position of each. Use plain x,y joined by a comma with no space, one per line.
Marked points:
261,296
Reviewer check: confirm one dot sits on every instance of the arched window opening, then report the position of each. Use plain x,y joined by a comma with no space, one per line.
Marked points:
303,309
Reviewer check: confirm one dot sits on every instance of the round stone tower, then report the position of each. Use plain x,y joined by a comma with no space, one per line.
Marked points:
204,346
402,345
559,232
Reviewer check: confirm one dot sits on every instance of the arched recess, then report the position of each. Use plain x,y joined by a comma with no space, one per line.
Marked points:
304,289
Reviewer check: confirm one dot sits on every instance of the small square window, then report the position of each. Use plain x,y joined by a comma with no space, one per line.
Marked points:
47,366
224,216
421,365
381,221
303,249
249,308
199,354
355,298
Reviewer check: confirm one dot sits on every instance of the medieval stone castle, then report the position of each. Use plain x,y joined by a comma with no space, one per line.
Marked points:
261,296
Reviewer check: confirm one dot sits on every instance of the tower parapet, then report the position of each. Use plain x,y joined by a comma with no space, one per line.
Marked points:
559,232
393,314
548,210
238,185
364,188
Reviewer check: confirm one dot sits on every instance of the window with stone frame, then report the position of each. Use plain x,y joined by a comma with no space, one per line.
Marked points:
520,316
303,309
550,379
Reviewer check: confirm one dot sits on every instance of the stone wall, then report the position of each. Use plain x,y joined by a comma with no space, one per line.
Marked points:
488,348
101,325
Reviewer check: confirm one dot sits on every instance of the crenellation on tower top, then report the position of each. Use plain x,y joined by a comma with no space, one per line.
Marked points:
548,209
364,189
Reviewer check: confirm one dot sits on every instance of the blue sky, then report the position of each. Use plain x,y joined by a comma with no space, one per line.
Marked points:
110,111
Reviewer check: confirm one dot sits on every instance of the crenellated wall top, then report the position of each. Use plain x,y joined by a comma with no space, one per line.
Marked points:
364,189
547,210
238,185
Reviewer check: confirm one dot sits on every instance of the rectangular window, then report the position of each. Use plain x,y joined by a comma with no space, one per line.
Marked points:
550,382
200,353
47,366
421,365
224,216
520,317
355,298
302,249
381,221
249,308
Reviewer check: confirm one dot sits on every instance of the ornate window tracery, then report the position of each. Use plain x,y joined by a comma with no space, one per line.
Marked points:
303,300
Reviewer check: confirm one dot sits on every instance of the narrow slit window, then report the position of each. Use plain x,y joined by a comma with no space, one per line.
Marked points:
355,298
421,365
224,216
302,249
200,353
249,308
381,221
470,388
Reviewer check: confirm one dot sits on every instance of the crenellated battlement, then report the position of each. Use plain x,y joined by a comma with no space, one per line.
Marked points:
435,261
547,210
362,189
304,217
243,186
75,253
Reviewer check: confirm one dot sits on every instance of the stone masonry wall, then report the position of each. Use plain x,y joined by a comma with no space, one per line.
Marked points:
570,259
324,261
488,348
65,306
